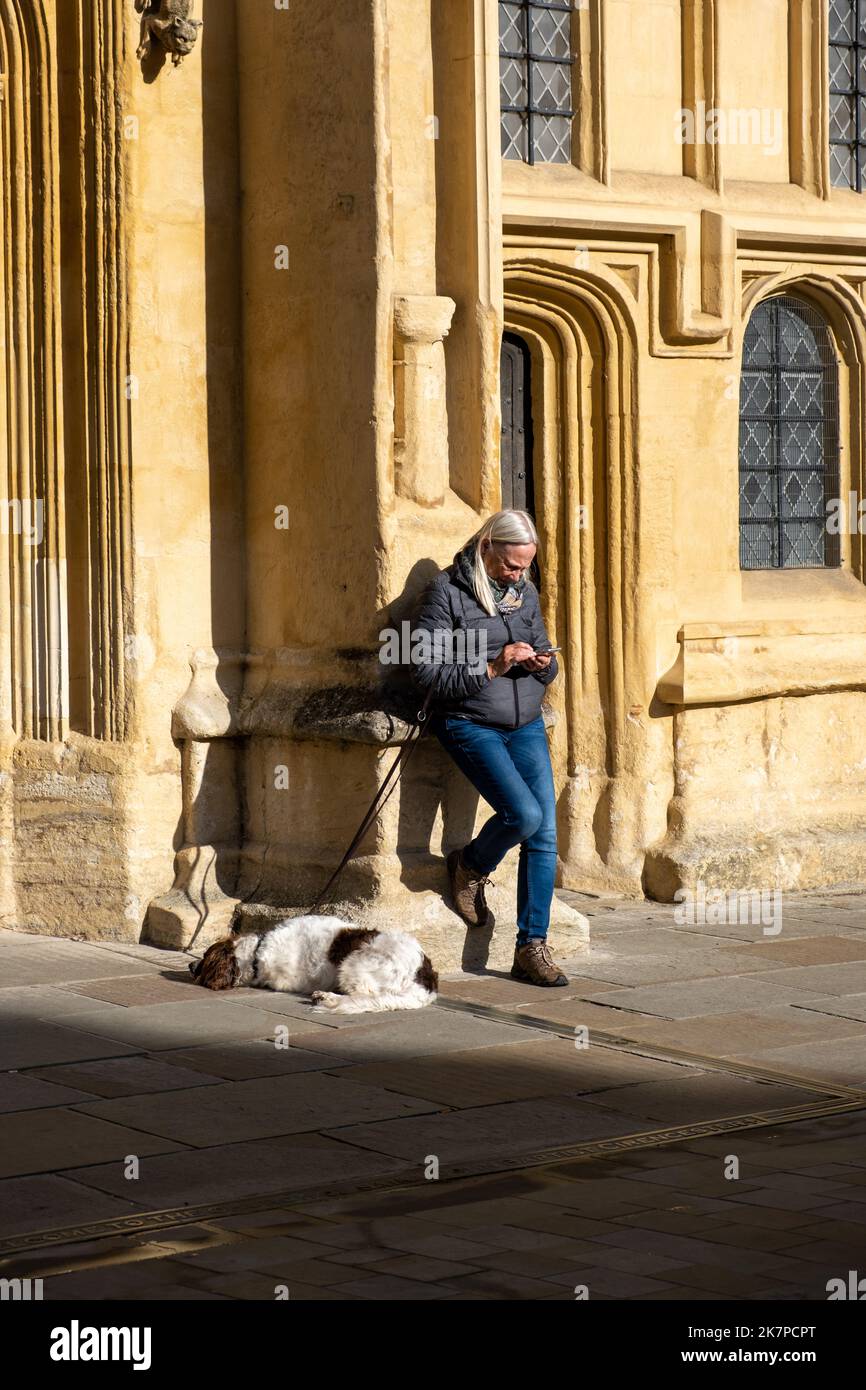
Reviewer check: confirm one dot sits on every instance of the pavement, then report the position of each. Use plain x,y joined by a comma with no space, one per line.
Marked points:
686,1120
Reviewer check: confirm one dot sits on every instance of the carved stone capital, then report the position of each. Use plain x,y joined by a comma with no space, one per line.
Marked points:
422,318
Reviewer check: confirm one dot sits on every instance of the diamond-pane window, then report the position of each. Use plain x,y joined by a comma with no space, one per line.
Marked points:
789,438
535,80
848,93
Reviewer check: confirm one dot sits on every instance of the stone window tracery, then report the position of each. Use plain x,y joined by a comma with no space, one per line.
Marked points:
847,93
535,61
789,438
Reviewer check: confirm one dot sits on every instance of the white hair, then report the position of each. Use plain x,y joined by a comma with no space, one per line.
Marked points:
508,527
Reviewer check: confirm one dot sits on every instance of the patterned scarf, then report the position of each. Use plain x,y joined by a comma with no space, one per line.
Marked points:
508,597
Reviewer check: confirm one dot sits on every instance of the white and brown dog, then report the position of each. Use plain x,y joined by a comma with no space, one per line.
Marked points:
350,970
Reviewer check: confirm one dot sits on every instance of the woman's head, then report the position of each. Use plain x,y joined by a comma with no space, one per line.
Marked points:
505,547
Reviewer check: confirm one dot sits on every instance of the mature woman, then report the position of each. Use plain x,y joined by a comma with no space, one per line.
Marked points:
488,670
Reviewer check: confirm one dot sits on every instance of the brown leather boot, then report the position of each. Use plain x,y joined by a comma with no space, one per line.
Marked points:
467,891
534,964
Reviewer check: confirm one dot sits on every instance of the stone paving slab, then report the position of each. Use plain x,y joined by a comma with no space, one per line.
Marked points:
489,1130
843,1060
47,1201
511,1071
261,1109
701,964
31,1042
270,1255
44,1141
498,989
740,1034
140,989
846,1007
173,1025
700,998
820,980
28,1092
795,926
234,1171
580,1013
250,1058
693,1098
48,1002
809,950
423,1032
124,1076
38,960
645,940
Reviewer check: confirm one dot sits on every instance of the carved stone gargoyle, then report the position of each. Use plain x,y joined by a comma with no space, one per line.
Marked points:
169,22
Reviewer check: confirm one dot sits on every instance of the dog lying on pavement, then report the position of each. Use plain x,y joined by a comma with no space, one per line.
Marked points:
346,969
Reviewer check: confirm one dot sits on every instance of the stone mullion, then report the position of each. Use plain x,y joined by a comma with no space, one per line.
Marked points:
7,418
20,405
591,92
106,485
89,494
37,599
114,581
809,96
701,159
52,637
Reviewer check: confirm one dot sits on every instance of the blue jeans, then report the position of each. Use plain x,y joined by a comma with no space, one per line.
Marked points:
511,769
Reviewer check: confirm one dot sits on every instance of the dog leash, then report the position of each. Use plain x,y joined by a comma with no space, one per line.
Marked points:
398,766
407,747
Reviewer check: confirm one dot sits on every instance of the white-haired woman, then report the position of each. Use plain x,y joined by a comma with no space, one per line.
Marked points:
491,662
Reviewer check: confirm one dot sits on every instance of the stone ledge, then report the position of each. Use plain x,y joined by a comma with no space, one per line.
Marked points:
791,861
238,695
721,663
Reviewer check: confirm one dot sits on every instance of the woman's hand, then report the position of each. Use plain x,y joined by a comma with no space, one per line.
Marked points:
510,655
539,661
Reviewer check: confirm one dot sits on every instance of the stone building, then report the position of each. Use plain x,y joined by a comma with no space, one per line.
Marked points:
285,319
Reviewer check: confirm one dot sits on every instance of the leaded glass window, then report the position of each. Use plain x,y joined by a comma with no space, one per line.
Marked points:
847,93
535,80
789,438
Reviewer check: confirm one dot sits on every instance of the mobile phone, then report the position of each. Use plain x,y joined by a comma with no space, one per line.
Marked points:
546,651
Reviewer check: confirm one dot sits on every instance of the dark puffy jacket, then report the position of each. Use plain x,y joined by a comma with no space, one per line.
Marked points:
462,686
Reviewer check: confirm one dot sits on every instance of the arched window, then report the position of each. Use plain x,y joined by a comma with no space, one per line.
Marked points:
847,93
535,80
789,438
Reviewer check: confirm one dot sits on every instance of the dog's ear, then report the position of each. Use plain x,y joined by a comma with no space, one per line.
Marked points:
219,965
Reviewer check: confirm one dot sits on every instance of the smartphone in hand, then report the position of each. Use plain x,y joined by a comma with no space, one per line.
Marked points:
546,651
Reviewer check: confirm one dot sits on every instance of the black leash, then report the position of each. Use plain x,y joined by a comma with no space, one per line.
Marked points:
407,748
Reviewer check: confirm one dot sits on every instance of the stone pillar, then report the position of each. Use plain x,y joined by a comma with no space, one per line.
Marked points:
421,323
